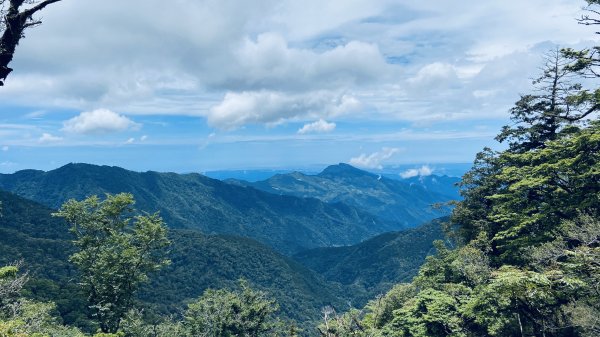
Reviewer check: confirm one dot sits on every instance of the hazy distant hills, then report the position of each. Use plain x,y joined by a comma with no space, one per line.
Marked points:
287,223
377,263
442,185
408,202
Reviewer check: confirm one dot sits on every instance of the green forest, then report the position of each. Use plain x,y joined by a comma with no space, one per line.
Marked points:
520,254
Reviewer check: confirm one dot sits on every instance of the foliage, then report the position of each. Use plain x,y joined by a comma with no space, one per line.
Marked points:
223,313
22,317
113,254
555,105
199,262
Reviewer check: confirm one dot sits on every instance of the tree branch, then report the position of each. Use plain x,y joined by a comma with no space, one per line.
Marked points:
28,13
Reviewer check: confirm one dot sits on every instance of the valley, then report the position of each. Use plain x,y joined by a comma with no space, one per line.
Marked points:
225,231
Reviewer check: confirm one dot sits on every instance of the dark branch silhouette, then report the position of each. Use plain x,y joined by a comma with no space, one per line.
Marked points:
12,27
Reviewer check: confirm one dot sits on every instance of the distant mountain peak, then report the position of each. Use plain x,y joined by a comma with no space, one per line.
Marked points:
344,170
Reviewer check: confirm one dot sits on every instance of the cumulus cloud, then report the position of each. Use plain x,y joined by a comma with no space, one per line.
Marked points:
387,54
268,63
319,126
49,138
374,160
270,107
434,75
422,171
100,121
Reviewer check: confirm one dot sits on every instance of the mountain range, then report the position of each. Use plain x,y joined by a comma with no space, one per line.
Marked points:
192,201
289,212
322,246
408,202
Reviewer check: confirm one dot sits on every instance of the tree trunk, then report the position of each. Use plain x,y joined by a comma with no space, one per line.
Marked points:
14,25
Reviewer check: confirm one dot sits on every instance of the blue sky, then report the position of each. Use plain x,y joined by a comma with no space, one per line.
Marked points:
191,85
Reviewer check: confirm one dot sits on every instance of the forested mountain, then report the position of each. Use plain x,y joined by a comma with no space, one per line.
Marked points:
377,263
218,261
322,277
409,203
192,201
29,233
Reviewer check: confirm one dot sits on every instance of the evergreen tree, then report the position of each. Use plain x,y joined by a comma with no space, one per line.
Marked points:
541,116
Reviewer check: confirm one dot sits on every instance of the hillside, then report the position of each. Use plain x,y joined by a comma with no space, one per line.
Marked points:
377,263
217,261
28,232
192,201
407,202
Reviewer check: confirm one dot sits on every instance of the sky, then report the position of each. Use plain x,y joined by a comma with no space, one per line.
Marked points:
200,85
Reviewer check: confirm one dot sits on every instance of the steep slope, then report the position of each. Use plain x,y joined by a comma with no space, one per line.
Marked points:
193,201
217,261
409,203
29,232
377,263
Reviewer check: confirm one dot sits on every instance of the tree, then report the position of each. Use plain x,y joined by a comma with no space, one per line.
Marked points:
13,23
555,104
115,252
20,317
224,313
586,62
11,283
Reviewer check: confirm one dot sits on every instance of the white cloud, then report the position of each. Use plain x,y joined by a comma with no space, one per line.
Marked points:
130,141
269,107
143,138
49,138
434,75
389,54
5,148
270,64
422,171
100,121
319,126
374,160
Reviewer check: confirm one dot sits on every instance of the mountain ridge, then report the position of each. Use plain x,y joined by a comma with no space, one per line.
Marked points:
407,202
193,201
